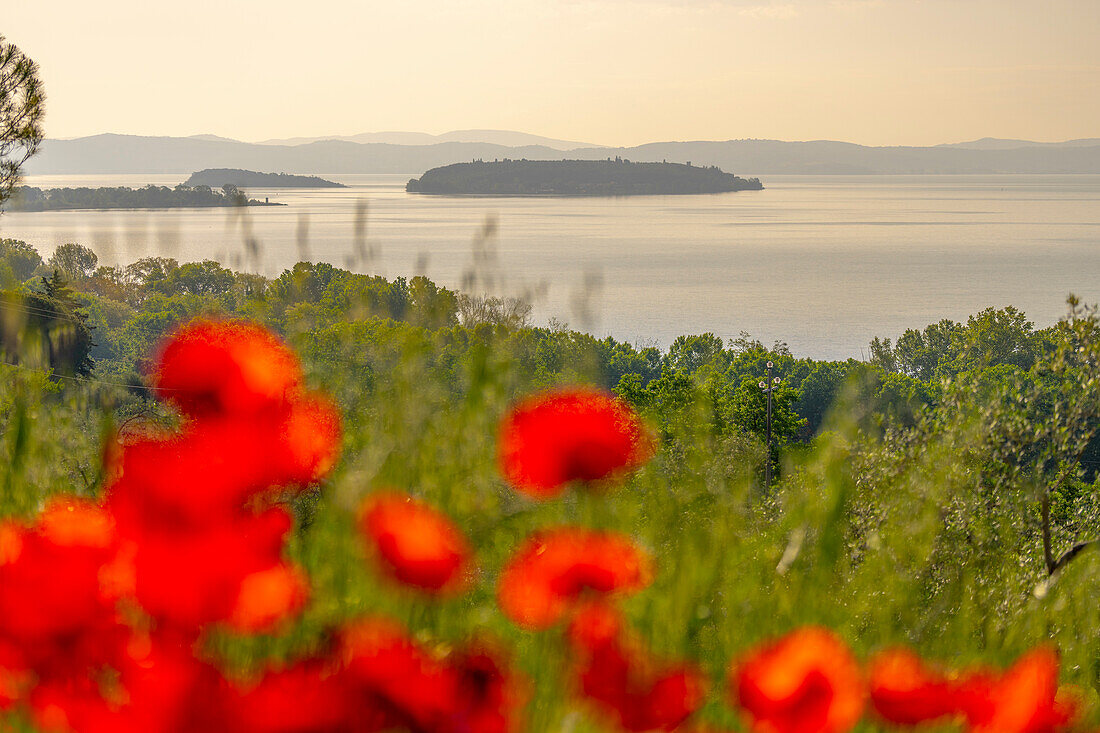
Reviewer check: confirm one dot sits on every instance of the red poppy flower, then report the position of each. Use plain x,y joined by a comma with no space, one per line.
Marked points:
416,544
386,664
490,696
807,682
161,687
64,705
58,626
579,434
636,691
308,441
201,477
195,552
904,691
594,624
267,597
309,697
193,578
212,367
209,472
1025,699
15,677
554,568
468,691
51,598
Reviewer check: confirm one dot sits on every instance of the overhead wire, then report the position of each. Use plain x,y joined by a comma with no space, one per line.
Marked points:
32,310
90,380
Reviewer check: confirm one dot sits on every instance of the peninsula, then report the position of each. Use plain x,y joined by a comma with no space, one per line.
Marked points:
218,177
28,198
611,177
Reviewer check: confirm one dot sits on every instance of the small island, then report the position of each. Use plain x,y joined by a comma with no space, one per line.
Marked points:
28,198
218,177
611,177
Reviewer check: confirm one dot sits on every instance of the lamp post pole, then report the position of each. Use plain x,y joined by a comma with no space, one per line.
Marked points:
769,388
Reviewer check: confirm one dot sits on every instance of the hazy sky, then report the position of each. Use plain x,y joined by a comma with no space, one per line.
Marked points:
606,71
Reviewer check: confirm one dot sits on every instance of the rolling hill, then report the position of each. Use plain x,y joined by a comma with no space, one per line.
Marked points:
111,153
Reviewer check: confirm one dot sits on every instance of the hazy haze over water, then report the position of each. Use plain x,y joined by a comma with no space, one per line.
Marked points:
821,262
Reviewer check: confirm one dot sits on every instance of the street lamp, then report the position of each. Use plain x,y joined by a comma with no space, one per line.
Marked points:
769,387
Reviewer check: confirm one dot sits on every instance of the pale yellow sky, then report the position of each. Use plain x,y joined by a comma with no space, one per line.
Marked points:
617,72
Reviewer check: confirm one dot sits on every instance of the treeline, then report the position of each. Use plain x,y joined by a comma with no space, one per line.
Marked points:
611,177
29,198
128,309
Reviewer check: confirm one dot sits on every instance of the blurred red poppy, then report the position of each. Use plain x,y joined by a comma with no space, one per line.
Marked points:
161,687
58,623
593,624
904,691
208,473
636,691
194,550
193,578
414,543
216,367
491,697
308,441
554,568
15,677
467,691
385,664
577,434
309,697
1024,699
193,480
56,617
806,682
267,597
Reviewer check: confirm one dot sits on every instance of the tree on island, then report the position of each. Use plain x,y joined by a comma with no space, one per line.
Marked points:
21,110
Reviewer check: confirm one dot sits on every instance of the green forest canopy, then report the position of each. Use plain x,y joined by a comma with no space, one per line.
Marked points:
131,307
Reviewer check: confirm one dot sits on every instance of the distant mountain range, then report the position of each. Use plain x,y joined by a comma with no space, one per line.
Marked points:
111,153
496,137
996,143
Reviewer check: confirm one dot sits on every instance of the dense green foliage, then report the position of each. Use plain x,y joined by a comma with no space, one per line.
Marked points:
218,177
46,328
577,178
18,261
932,497
29,198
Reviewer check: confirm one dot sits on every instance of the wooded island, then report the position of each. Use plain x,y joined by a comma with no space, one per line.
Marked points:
611,177
218,177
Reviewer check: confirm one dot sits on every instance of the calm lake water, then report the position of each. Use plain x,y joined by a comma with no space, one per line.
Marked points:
821,262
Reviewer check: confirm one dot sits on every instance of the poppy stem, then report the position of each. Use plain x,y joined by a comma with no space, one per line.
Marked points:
1048,553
